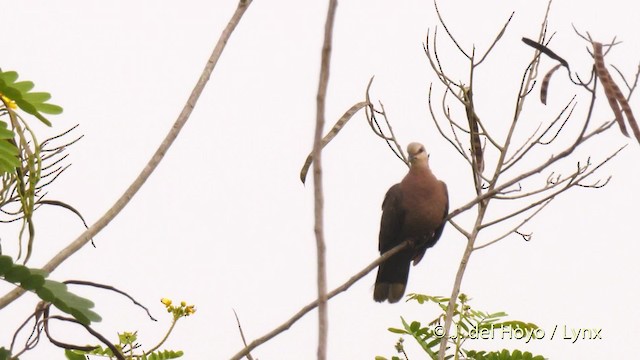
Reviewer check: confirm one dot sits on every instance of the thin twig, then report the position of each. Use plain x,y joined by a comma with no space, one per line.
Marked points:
453,39
111,288
244,341
495,40
96,334
515,229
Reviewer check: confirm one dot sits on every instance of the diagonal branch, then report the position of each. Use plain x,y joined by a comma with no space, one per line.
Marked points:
312,305
515,228
453,39
115,209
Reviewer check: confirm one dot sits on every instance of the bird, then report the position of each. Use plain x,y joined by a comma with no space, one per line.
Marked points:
416,210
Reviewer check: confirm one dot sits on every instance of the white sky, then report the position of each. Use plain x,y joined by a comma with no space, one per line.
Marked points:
224,223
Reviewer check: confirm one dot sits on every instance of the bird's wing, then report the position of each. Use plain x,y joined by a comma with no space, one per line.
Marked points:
438,232
429,241
392,219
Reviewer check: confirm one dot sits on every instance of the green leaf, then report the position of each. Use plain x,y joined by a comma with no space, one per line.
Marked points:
49,109
5,133
99,350
434,342
48,290
414,327
6,166
72,355
497,315
17,273
463,326
9,76
5,264
26,86
4,354
8,149
504,355
45,293
79,307
33,282
398,331
164,355
30,102
43,119
26,106
127,337
36,97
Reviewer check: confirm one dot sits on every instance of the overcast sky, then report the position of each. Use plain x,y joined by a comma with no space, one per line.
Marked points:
224,223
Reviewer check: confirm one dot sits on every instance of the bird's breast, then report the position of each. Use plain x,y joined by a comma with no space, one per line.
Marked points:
425,206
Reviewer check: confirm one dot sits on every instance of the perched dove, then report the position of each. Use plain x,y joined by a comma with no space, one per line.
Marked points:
415,210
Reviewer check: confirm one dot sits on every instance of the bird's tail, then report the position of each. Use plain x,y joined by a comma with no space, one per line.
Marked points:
391,281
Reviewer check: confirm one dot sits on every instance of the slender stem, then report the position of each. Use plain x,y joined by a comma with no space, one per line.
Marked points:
166,336
482,207
323,83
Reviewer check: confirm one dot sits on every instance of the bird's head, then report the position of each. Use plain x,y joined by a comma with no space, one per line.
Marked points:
417,153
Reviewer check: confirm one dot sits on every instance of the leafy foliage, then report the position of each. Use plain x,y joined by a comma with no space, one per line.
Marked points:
469,323
4,354
24,162
34,103
106,352
129,348
20,151
163,355
9,152
503,355
48,290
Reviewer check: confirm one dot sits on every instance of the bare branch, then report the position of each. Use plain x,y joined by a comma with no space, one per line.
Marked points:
89,329
515,158
377,129
495,40
458,147
297,316
515,229
459,228
453,39
244,341
111,288
323,83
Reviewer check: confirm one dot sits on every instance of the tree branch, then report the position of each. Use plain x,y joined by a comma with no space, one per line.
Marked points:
297,316
323,83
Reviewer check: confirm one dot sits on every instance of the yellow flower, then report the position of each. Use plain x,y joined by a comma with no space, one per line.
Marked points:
191,309
10,103
166,302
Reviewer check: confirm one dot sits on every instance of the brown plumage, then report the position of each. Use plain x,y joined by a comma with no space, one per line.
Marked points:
415,210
